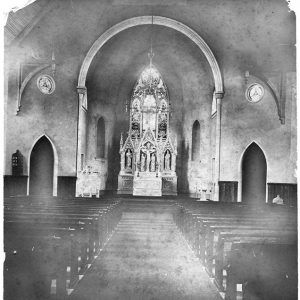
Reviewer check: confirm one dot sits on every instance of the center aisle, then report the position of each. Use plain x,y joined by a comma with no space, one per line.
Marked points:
146,258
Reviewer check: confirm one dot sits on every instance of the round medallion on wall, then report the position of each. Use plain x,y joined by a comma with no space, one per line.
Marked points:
255,92
46,84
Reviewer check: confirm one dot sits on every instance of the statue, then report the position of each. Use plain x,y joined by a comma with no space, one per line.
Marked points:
152,163
143,163
167,161
148,151
128,157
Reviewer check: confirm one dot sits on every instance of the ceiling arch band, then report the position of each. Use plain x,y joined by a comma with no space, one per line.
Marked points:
157,20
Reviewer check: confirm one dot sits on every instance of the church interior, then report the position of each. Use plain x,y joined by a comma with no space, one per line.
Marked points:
150,150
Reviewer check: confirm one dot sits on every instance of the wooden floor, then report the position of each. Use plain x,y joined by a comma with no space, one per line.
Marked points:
146,258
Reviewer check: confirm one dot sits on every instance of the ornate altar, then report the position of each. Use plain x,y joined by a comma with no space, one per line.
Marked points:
148,155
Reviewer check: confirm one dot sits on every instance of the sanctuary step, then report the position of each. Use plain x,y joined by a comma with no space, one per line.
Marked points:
146,258
149,204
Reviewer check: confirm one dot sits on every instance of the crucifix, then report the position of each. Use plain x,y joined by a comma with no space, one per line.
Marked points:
148,150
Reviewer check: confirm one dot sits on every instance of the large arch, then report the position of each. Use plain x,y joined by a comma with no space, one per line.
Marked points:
157,20
148,20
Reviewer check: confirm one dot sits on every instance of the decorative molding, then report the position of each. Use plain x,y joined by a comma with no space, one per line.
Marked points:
157,20
46,84
219,95
25,82
277,90
82,94
255,92
81,90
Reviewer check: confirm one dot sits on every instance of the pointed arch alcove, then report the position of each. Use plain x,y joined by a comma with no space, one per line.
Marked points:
253,175
43,165
100,151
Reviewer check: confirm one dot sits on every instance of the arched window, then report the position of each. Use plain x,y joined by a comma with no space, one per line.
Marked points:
196,141
101,138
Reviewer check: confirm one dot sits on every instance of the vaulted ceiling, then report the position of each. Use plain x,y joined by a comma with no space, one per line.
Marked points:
19,23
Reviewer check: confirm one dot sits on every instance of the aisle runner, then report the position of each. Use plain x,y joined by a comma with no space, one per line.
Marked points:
146,258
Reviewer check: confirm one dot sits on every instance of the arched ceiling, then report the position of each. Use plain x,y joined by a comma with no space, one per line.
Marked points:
118,64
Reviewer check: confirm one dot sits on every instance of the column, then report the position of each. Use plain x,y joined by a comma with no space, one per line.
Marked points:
81,130
218,96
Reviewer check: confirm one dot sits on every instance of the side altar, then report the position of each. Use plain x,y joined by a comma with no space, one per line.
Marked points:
148,154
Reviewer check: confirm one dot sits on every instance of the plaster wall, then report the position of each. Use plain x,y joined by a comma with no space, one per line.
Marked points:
242,37
244,122
54,115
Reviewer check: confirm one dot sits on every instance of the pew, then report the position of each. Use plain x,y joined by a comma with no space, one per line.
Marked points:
266,267
49,245
219,233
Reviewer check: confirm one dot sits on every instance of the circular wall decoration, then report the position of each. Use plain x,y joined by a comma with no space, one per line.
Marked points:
255,92
46,84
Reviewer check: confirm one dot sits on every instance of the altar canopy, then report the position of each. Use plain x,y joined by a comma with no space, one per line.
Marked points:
148,154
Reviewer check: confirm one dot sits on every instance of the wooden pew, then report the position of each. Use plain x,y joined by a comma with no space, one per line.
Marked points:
67,235
207,226
34,260
266,266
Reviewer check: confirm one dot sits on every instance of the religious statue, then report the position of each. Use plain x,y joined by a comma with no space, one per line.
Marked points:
167,161
148,151
143,161
128,157
152,163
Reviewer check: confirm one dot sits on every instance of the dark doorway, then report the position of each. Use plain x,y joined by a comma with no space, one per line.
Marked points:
41,168
254,174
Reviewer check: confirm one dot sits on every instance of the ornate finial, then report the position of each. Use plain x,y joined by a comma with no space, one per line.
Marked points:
151,55
175,142
121,140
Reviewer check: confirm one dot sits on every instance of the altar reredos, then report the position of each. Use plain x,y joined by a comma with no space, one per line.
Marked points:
148,155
